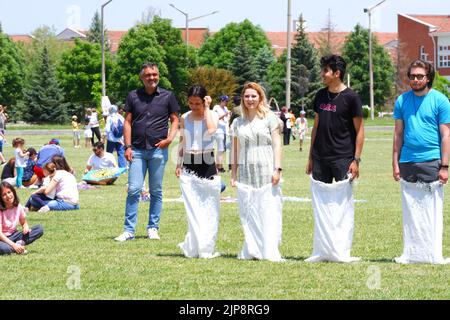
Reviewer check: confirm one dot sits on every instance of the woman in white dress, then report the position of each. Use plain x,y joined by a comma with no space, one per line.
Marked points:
256,172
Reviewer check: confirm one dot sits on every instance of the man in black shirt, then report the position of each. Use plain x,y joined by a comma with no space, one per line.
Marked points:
338,134
147,138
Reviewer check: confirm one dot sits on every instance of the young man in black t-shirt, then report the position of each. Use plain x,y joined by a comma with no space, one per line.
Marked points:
338,134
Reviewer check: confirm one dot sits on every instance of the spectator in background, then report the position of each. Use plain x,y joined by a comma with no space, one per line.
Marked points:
285,117
301,125
100,159
29,177
94,125
75,132
114,135
222,130
21,157
45,155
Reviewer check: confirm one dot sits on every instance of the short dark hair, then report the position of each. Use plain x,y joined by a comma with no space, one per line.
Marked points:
429,69
335,63
6,185
146,65
99,145
197,91
32,151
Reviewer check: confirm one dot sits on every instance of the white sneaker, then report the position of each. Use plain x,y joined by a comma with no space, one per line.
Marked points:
153,234
125,237
44,209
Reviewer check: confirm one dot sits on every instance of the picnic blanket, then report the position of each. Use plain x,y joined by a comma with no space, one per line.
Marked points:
103,176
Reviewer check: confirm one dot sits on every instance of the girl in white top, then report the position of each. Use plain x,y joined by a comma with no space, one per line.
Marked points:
64,184
200,184
20,158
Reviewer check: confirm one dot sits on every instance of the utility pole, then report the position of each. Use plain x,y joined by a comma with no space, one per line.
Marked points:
288,61
372,103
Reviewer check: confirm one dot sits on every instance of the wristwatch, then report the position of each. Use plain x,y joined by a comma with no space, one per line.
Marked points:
279,169
357,159
127,146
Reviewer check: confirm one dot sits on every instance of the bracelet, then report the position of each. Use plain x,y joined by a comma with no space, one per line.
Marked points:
444,166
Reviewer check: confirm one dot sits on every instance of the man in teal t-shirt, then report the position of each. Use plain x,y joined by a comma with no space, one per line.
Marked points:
422,129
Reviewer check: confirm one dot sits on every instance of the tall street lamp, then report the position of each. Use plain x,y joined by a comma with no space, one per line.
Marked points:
288,60
189,20
369,12
105,99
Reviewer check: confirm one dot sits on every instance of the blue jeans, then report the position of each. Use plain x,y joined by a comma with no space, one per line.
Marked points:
154,161
111,146
61,205
35,233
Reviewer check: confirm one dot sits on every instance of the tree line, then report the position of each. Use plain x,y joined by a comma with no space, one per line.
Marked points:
49,80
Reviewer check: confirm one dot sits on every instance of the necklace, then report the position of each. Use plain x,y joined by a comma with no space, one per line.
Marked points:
330,99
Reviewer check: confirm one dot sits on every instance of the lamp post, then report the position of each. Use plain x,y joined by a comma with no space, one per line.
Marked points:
369,12
288,59
103,54
189,20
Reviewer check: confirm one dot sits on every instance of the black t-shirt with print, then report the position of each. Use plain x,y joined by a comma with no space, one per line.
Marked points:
336,134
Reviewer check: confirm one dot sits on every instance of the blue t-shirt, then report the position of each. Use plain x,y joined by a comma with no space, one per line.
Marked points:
421,119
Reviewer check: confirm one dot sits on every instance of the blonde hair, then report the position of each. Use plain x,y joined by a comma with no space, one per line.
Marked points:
263,108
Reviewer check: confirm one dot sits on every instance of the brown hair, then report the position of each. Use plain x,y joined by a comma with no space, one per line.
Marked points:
428,67
6,185
18,141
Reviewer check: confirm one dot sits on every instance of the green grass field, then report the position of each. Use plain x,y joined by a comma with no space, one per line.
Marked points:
78,259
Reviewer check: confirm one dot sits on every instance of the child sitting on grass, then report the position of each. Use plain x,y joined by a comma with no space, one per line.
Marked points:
11,214
39,198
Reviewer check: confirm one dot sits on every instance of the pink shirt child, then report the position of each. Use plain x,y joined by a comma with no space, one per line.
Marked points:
9,219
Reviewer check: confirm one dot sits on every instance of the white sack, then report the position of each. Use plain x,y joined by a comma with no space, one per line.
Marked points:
260,210
422,223
333,221
202,203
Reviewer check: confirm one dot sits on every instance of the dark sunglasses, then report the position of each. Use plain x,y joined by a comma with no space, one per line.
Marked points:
417,76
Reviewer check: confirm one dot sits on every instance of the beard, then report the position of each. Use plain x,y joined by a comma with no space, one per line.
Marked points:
421,88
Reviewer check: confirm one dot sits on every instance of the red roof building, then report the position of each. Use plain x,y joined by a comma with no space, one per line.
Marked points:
426,37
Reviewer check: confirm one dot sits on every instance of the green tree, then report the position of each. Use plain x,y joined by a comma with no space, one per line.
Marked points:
244,64
441,84
177,57
219,50
139,45
305,70
276,78
264,58
216,81
356,53
43,99
94,35
80,75
11,71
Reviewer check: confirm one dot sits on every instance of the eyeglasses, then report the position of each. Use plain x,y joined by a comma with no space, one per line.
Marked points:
417,76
